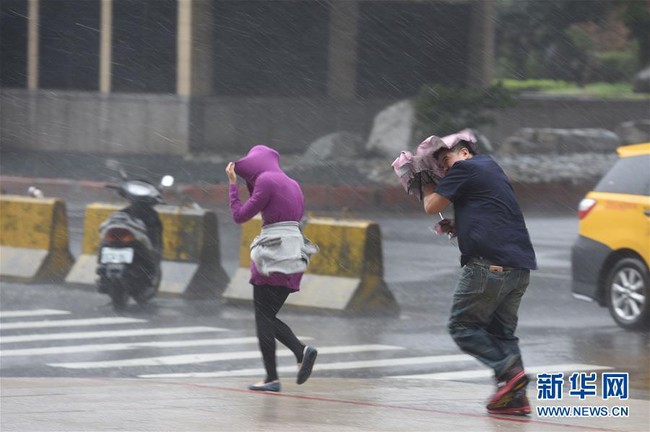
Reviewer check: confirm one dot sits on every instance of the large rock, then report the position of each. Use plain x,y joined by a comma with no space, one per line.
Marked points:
330,160
576,168
337,145
560,141
634,132
641,82
392,130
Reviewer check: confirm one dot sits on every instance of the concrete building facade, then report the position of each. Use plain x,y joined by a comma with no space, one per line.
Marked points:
179,76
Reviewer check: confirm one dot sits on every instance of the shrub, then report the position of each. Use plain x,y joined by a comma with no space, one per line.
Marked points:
536,85
616,66
553,87
444,110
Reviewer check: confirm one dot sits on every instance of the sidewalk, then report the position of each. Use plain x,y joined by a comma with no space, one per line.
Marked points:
197,405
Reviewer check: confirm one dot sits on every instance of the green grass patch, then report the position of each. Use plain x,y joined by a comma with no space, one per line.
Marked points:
563,88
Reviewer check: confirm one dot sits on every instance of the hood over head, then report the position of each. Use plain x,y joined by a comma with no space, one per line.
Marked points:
259,159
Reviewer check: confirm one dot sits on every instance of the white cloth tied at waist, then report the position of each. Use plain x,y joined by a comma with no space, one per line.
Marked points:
281,248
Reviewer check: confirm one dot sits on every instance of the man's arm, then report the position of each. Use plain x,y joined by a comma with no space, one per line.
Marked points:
433,202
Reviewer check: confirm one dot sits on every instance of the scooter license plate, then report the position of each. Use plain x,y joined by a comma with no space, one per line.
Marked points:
116,255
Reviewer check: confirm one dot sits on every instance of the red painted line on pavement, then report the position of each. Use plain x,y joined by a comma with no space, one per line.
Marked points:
386,406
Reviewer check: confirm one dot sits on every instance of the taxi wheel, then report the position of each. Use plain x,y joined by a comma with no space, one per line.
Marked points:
627,293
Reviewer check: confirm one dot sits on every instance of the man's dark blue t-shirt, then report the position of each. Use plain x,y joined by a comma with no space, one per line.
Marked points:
489,221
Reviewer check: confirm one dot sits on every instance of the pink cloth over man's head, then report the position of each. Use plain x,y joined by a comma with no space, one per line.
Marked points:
464,135
414,170
449,141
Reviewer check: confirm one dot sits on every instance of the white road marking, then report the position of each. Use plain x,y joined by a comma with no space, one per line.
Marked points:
69,323
34,312
212,357
108,334
128,346
550,276
487,373
361,364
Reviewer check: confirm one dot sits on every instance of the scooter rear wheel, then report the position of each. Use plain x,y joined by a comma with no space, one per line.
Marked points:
119,295
143,296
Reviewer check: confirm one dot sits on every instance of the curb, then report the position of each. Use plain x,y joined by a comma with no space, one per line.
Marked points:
547,197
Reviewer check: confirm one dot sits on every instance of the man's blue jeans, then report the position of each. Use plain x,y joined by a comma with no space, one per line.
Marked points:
484,314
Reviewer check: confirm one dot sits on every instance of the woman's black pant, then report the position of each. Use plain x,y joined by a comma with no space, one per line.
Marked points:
268,301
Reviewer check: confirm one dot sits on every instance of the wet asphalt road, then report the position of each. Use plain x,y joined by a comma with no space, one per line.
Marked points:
420,269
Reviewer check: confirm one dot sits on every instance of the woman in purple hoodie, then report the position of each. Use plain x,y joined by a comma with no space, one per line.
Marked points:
276,266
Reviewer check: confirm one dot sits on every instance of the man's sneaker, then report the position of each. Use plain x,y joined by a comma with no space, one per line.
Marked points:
518,405
505,391
273,386
304,368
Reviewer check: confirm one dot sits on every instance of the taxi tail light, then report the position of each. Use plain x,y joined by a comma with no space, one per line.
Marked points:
585,206
118,236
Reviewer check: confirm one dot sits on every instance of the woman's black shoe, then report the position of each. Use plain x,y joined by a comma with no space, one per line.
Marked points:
308,359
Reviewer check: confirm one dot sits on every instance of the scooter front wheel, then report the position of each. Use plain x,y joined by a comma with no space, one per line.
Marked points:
119,295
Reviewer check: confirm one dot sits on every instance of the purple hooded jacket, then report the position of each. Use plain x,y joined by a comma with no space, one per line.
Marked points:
273,194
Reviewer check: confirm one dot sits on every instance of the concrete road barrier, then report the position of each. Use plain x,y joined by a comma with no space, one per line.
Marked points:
34,245
191,257
346,275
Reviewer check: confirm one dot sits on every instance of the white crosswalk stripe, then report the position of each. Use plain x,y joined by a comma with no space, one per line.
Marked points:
125,346
203,351
362,364
68,323
212,357
33,312
487,373
130,346
108,334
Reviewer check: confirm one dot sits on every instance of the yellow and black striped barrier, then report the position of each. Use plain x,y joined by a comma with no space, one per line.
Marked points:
346,274
34,245
191,257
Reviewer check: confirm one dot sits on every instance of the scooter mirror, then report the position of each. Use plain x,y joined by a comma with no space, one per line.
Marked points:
116,166
167,181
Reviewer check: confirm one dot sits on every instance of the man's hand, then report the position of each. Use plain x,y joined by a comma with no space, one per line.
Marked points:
230,171
446,226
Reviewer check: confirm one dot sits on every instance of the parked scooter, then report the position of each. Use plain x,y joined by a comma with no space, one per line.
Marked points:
130,252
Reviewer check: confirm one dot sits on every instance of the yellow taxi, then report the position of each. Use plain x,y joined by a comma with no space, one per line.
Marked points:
611,255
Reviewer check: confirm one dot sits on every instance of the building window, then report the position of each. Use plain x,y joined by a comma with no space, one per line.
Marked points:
13,43
271,48
144,46
69,44
403,45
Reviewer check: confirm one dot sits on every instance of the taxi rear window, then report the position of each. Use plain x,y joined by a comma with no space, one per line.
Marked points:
629,175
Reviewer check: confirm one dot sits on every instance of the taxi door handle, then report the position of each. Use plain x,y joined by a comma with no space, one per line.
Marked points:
646,212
